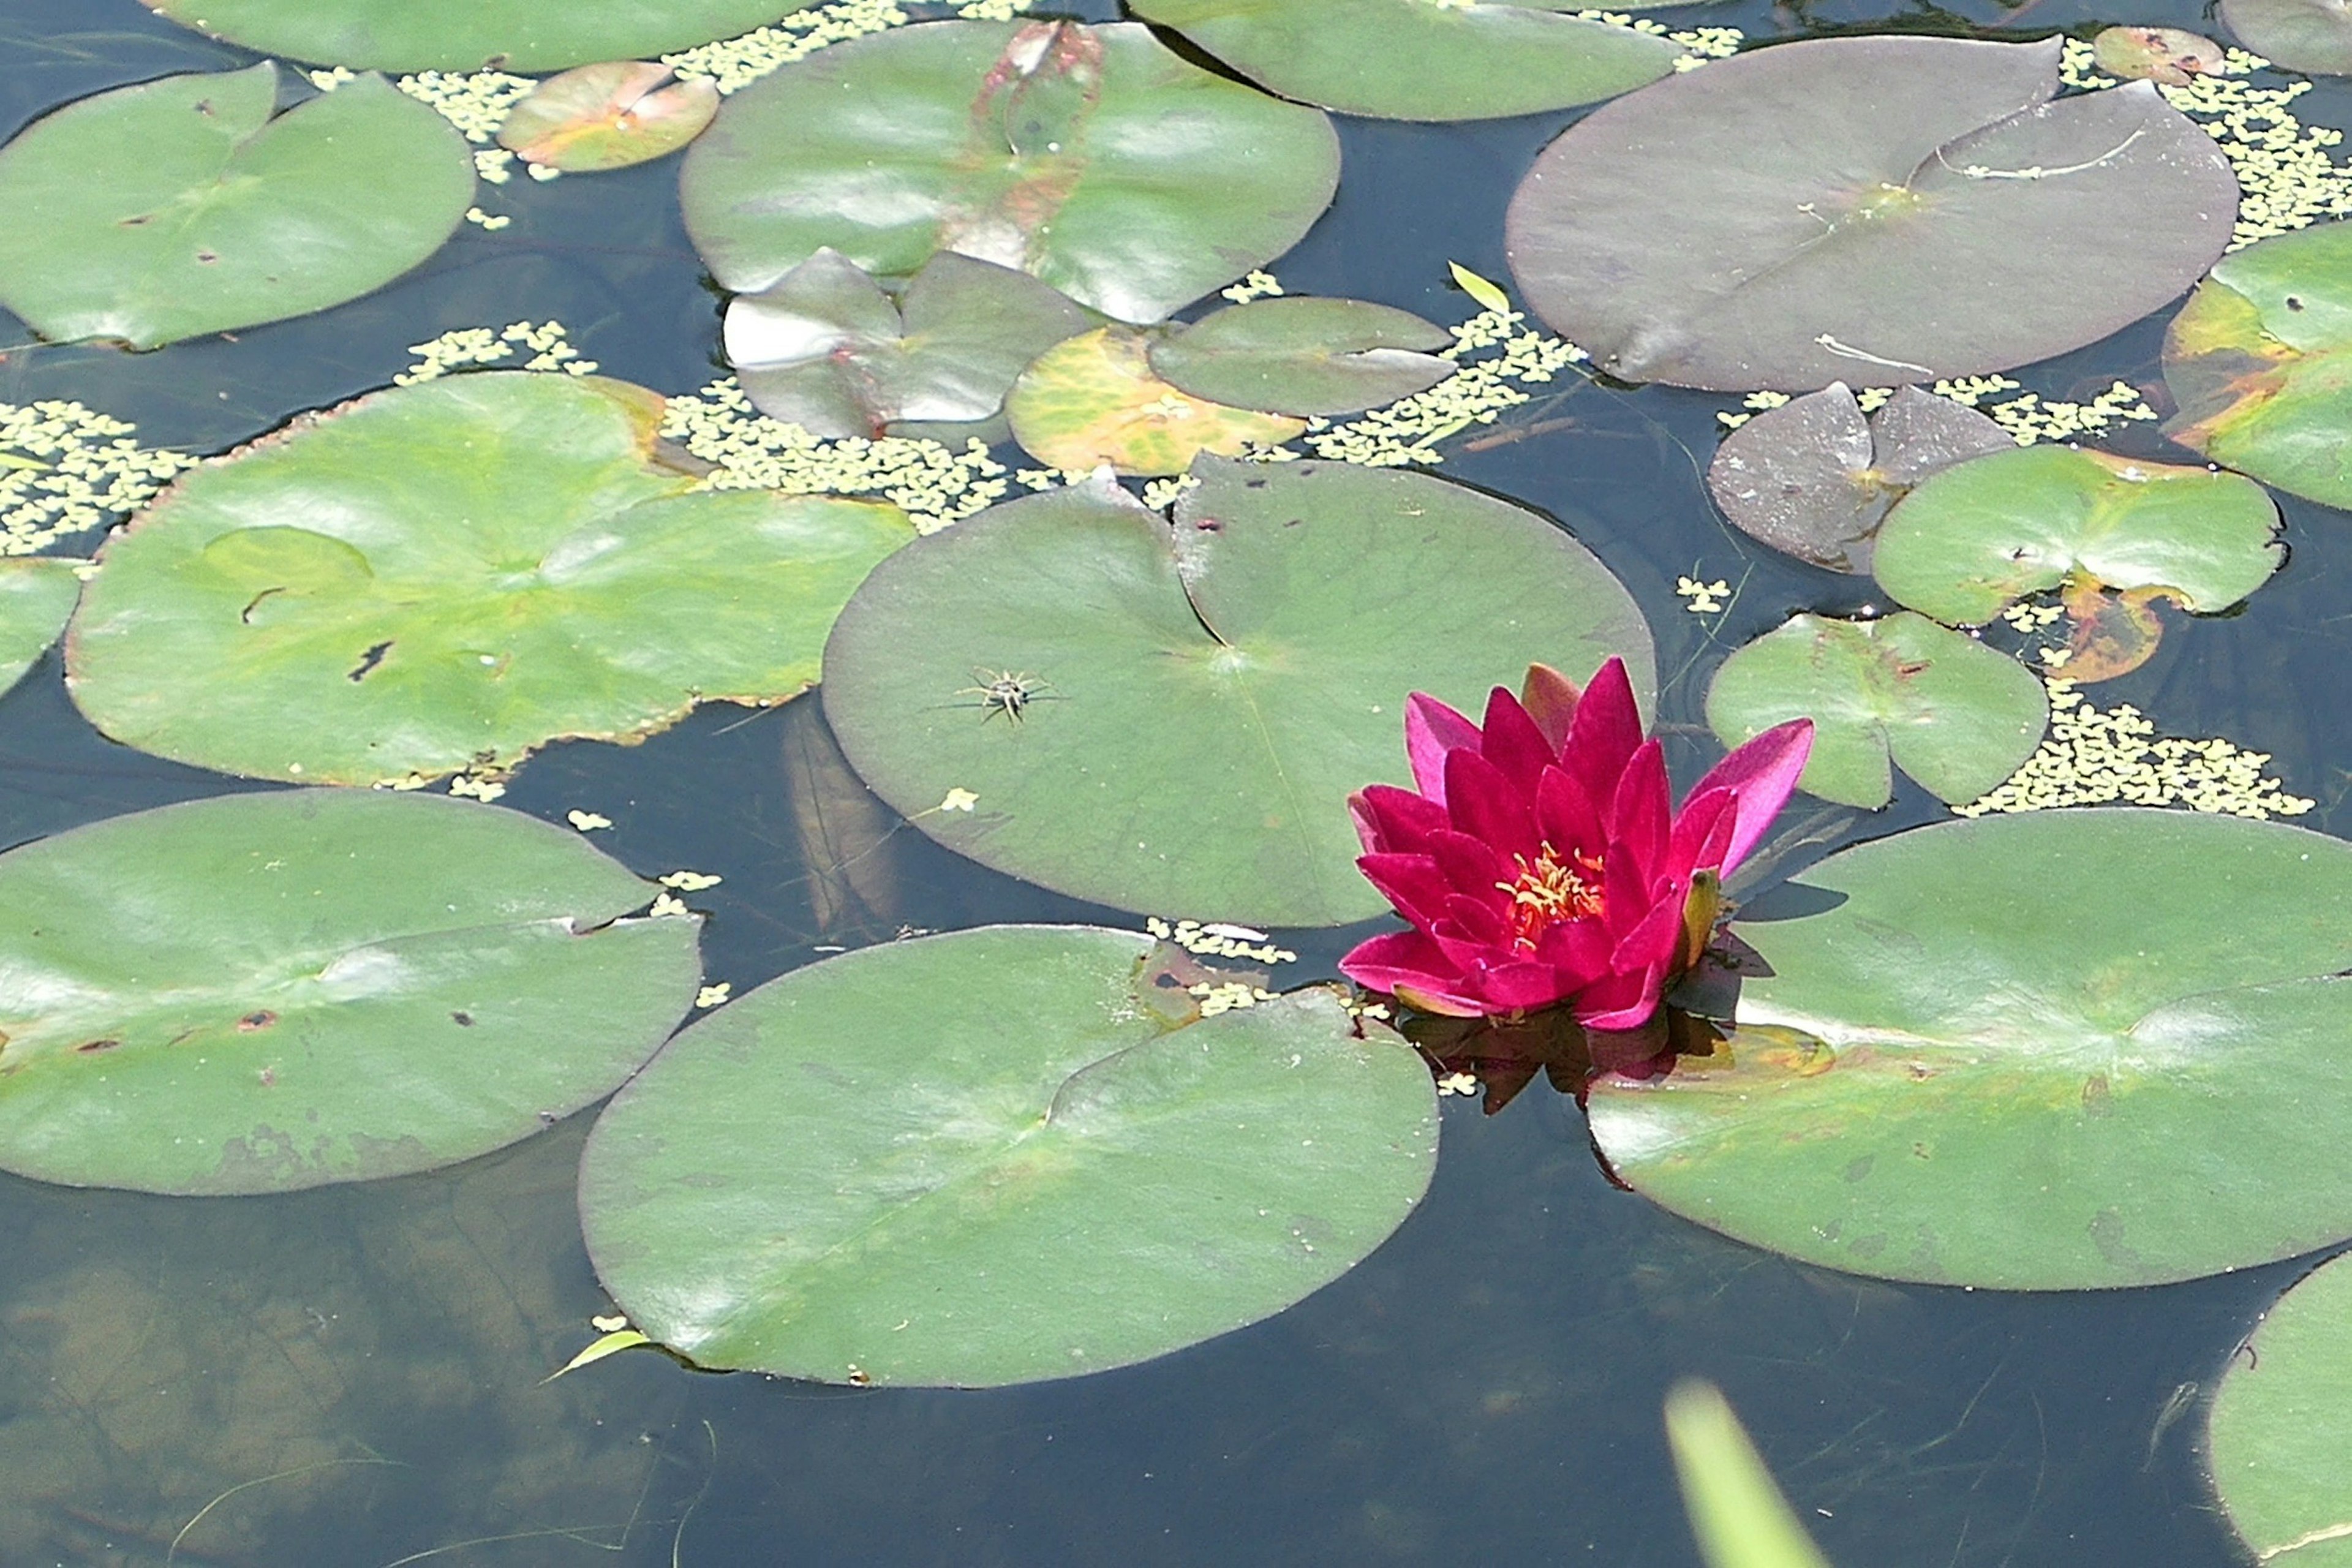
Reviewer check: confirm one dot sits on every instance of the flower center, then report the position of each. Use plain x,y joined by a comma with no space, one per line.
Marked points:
1549,891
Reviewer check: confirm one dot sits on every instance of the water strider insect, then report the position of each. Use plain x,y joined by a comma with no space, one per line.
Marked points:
1007,692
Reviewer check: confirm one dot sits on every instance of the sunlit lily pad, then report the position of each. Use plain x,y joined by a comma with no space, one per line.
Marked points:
2112,535
2058,1050
1954,715
824,348
1301,355
1094,400
1127,177
180,207
36,594
2258,362
2281,1423
468,34
1813,478
453,573
2294,34
2167,55
1888,209
1409,60
261,992
1205,696
981,1158
609,116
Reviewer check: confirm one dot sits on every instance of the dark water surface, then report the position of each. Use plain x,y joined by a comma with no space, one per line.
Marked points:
363,1363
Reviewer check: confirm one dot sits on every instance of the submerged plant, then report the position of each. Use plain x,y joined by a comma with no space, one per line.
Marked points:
1540,860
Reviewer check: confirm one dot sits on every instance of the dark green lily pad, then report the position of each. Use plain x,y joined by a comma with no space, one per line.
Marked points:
2294,34
262,992
453,573
1888,209
1958,715
36,594
1303,355
1093,400
468,34
825,349
2258,362
984,1158
610,115
180,207
1093,157
2281,1423
2058,1050
1814,479
1205,696
1975,539
1408,59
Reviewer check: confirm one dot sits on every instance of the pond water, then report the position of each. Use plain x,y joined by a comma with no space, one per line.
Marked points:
351,1375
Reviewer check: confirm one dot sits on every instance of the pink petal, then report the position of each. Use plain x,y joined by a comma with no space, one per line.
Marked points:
1763,773
1431,730
1621,1002
1517,987
1608,728
1565,814
1413,883
1641,817
1478,921
1406,959
1702,828
1654,943
1481,804
1577,950
1468,865
1393,821
1511,742
1549,699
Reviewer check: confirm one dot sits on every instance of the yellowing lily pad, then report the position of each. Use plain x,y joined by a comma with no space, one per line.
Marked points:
609,116
36,593
1093,400
1958,715
1303,355
180,207
450,574
470,34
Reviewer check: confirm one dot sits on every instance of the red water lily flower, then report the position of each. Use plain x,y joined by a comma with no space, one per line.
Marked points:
1540,860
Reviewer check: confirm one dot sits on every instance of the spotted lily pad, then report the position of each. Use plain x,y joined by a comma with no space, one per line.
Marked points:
609,116
1958,715
1094,400
2058,1050
1095,158
1300,355
468,35
180,207
1202,696
1813,478
1889,209
984,1158
1408,59
2294,34
1977,537
2259,361
2280,1422
262,992
36,594
2157,54
825,349
452,573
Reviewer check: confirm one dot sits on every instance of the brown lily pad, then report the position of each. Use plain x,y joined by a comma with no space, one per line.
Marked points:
609,116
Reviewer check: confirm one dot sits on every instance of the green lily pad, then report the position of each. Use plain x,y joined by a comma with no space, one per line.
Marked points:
1975,539
1408,59
1093,400
180,207
1958,715
452,573
2258,360
1813,478
609,116
1303,355
825,349
36,593
468,34
1888,209
1202,698
2294,34
2057,1050
1095,158
2167,55
2281,1424
984,1158
263,992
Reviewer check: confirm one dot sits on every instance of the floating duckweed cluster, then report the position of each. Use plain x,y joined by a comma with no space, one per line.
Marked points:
2028,418
932,483
548,347
477,102
1407,432
1703,598
1259,285
735,63
1219,941
1700,45
65,470
2101,757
